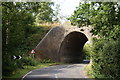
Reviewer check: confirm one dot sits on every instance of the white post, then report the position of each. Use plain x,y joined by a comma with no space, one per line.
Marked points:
33,56
33,53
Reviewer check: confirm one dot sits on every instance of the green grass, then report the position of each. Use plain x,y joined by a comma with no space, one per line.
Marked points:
88,70
19,73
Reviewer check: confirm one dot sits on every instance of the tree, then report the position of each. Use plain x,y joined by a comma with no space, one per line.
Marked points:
81,16
19,31
106,20
16,25
103,16
57,16
45,12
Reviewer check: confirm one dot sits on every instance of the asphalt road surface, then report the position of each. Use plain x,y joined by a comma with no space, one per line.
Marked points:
58,72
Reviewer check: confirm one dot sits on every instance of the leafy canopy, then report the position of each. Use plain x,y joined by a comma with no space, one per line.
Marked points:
103,16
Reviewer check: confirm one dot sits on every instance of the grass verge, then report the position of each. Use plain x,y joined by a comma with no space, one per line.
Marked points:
88,70
19,73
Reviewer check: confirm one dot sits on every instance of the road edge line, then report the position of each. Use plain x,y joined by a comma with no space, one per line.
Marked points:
26,75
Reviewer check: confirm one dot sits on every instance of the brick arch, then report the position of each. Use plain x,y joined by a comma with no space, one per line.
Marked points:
71,47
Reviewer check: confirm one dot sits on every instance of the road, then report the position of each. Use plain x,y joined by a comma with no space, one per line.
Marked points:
58,72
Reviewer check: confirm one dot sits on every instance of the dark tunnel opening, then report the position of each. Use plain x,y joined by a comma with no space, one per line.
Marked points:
71,47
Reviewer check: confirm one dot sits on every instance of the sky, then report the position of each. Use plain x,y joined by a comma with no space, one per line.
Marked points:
67,6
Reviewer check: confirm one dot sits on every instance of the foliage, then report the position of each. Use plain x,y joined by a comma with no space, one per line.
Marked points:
81,16
87,51
15,31
104,17
106,21
29,61
34,39
57,16
46,61
19,34
45,12
106,59
19,73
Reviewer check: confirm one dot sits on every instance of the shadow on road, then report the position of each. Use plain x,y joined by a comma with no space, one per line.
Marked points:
83,62
86,61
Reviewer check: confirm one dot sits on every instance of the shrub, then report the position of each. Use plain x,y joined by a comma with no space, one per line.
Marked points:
87,51
106,59
10,66
29,61
46,61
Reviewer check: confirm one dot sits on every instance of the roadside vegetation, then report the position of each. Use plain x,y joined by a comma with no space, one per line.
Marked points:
104,17
20,72
24,24
87,52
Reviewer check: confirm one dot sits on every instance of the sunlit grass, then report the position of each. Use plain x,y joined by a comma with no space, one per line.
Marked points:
50,25
88,70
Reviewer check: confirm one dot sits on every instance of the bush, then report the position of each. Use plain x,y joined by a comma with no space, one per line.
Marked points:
29,61
106,59
87,51
8,66
46,61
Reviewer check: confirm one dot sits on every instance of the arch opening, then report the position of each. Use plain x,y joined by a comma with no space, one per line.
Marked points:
71,47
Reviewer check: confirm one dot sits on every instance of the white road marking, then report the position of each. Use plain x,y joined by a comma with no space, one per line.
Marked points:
56,76
64,71
26,75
